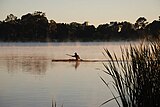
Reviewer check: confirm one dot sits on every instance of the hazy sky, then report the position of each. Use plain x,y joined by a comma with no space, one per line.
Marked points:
94,11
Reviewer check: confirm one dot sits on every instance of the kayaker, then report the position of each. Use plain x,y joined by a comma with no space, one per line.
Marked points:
76,56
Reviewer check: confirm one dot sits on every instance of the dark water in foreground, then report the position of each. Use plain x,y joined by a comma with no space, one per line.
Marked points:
28,77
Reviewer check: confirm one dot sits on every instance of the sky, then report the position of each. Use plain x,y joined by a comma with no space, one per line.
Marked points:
94,11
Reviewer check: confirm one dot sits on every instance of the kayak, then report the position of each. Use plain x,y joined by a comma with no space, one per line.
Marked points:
81,60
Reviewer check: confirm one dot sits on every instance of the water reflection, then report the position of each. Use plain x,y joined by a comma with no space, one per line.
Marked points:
30,64
77,64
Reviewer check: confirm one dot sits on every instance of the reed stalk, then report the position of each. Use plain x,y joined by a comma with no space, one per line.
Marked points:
54,104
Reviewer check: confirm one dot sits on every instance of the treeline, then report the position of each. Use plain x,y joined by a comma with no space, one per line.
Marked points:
36,27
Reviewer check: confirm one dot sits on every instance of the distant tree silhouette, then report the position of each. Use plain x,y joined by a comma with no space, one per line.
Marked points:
141,23
62,32
36,27
9,28
140,26
154,29
127,31
74,31
52,29
102,32
11,18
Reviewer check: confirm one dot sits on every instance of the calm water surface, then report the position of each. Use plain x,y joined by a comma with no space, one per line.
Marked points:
28,77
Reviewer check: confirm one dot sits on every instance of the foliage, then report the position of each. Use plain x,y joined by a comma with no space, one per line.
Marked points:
141,23
136,76
36,27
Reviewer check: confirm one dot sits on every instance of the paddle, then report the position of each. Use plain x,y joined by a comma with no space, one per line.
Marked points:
69,55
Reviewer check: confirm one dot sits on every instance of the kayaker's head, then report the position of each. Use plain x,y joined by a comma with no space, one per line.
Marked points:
75,53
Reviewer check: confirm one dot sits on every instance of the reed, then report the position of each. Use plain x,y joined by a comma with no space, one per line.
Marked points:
54,104
136,76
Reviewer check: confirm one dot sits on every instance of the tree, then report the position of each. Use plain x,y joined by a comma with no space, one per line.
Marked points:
39,13
10,18
102,32
35,26
141,23
10,27
85,23
52,29
154,29
74,29
62,31
127,30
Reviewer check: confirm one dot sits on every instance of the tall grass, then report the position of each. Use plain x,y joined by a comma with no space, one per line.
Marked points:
136,76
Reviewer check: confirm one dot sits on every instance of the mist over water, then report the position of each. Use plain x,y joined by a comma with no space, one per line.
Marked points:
29,78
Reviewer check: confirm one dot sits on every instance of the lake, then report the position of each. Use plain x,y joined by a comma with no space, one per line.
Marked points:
29,78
